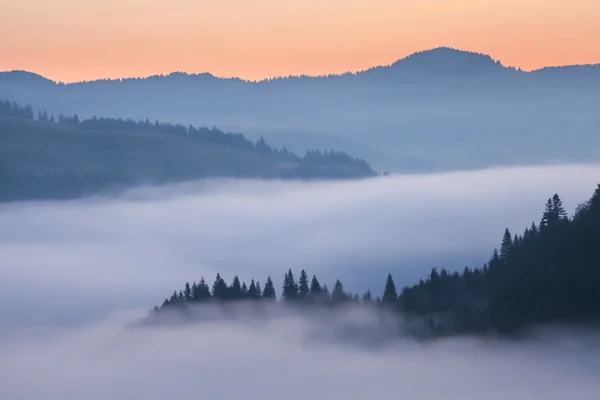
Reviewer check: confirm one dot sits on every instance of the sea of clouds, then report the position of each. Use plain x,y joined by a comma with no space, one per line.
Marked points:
73,273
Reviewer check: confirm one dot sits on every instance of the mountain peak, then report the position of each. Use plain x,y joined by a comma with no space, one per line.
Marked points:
20,76
448,60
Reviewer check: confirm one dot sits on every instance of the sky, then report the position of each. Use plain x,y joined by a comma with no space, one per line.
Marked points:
73,40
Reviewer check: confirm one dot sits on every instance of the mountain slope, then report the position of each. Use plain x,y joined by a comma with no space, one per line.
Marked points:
70,158
438,109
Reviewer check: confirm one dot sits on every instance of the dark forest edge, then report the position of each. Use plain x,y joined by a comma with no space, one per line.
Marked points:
43,157
548,274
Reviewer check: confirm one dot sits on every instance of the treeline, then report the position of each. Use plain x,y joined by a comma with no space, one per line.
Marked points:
64,157
549,273
303,291
214,135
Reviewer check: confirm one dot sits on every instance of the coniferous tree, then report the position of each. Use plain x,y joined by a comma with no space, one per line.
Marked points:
338,295
187,292
235,290
303,289
269,290
258,290
506,246
558,210
203,290
195,293
315,286
219,288
325,293
244,290
252,292
367,297
390,295
548,214
290,288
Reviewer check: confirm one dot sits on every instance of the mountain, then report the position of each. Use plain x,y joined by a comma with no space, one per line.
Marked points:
440,109
66,157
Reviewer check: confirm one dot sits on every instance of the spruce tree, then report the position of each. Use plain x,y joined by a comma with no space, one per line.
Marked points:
187,292
338,295
558,211
290,288
315,286
203,290
506,246
548,215
269,290
195,292
252,294
244,290
235,290
390,295
303,289
258,290
219,288
367,297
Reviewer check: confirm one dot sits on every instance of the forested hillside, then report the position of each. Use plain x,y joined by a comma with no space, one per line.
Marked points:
441,109
549,273
43,156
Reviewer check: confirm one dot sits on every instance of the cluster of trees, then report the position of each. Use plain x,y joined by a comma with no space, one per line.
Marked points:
549,273
12,109
303,291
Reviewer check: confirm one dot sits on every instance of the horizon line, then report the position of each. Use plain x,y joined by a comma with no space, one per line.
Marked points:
271,78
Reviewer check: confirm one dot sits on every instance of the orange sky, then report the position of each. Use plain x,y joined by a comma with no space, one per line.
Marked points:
72,40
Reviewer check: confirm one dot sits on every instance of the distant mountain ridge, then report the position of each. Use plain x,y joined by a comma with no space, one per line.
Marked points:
440,109
433,60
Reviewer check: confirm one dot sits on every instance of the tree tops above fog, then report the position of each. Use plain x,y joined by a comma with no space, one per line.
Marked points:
549,273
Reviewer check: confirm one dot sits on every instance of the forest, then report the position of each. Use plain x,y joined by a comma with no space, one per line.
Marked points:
549,273
48,157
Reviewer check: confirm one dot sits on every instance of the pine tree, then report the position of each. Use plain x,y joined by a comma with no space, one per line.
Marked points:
338,295
203,290
367,297
303,289
219,288
506,246
390,295
269,290
195,292
187,292
315,286
547,215
290,288
244,290
252,293
235,290
558,211
325,293
258,290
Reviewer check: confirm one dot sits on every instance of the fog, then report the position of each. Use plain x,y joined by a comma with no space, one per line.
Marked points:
73,274
71,261
284,358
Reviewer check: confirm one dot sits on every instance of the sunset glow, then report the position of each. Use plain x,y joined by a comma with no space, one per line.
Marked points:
72,40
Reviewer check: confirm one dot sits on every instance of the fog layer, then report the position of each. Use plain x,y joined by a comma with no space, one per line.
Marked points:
66,261
282,359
